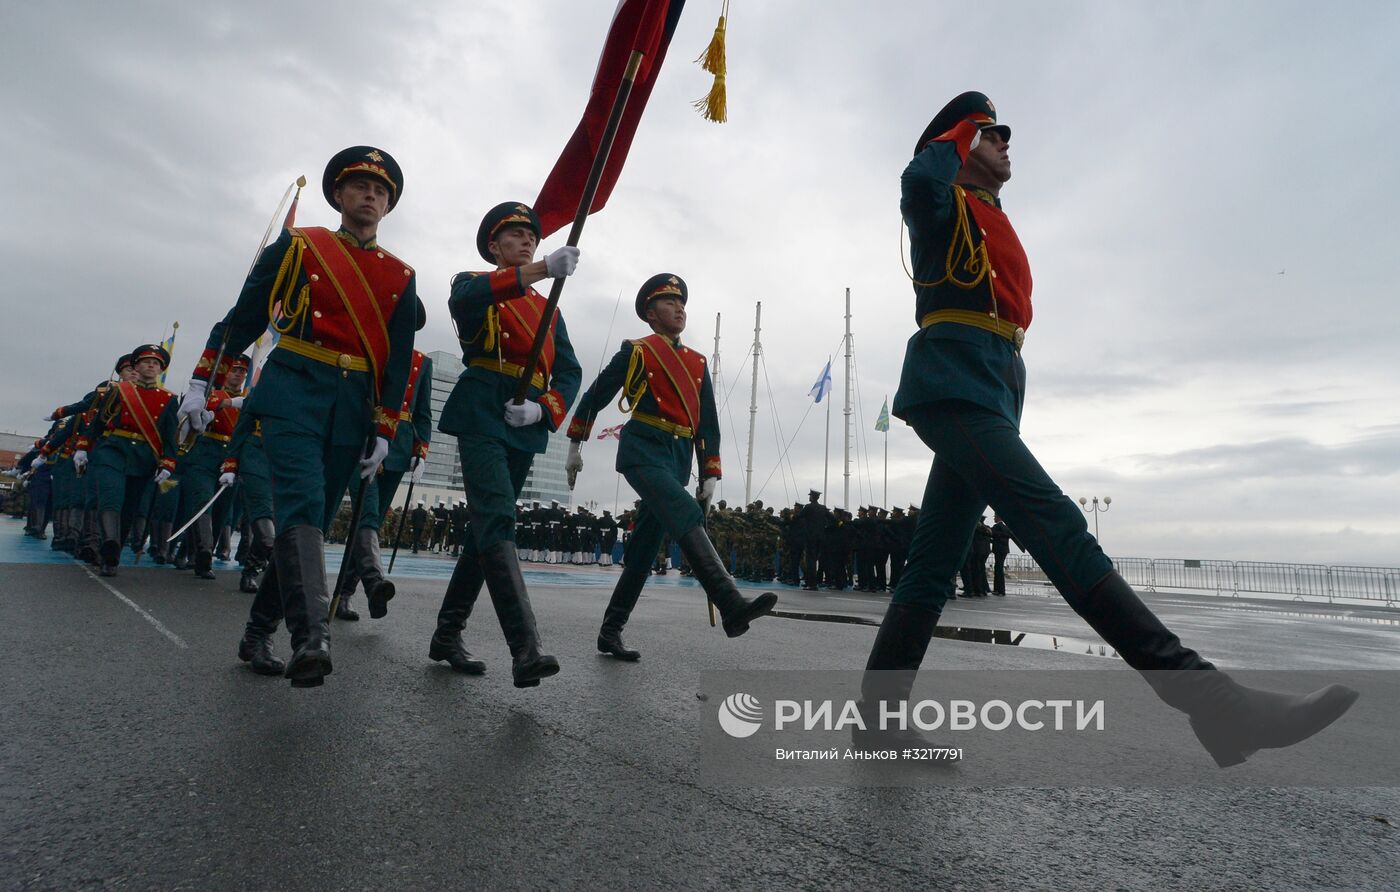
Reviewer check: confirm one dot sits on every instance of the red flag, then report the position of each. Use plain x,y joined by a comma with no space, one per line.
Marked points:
611,433
645,25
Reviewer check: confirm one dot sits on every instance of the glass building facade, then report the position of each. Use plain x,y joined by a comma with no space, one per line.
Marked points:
443,477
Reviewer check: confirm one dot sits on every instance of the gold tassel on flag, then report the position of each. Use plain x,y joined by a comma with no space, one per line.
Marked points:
713,106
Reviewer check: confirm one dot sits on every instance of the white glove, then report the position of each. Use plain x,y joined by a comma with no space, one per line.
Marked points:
561,262
192,407
976,140
574,463
236,402
227,478
161,476
80,459
416,467
706,490
369,465
36,463
523,415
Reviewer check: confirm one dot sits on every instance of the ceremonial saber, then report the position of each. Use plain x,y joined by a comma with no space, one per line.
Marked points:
624,90
357,505
197,515
398,534
183,432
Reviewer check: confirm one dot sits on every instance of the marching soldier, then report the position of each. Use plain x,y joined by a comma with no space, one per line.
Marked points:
79,497
962,390
200,467
666,387
406,456
337,374
497,314
132,438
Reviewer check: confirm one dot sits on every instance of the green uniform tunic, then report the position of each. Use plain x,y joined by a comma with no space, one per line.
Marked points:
963,388
495,456
316,415
122,466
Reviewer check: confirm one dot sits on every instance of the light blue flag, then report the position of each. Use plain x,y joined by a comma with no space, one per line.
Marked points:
823,385
882,423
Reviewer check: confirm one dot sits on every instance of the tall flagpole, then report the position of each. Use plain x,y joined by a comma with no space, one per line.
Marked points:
846,499
886,500
753,399
714,383
826,462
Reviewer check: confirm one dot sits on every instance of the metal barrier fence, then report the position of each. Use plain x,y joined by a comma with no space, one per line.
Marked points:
1301,582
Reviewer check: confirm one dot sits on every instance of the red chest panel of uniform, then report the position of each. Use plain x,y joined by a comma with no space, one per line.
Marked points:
519,320
140,411
225,417
413,372
354,292
674,376
1011,271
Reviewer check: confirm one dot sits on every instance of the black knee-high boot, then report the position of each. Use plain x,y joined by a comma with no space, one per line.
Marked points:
624,599
306,602
263,617
737,610
501,568
109,525
890,672
1230,720
457,602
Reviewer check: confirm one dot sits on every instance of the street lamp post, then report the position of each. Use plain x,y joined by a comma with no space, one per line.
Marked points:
1095,509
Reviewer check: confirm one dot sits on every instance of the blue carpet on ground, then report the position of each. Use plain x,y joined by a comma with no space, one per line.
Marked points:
17,548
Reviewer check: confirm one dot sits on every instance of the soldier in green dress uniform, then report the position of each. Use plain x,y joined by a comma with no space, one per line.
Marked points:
497,314
132,441
345,311
666,388
199,469
963,390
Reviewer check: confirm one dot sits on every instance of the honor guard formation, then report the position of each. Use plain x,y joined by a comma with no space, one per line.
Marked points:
341,410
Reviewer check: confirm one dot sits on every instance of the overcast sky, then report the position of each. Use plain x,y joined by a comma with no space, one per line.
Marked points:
1205,192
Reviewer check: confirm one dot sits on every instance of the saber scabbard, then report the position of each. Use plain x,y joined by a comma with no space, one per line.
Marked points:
398,533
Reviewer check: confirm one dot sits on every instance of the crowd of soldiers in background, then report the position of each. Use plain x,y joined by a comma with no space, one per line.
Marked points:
160,510
809,545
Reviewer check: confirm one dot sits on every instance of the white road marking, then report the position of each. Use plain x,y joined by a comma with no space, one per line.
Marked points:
160,627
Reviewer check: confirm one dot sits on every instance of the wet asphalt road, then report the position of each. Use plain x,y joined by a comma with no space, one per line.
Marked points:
138,755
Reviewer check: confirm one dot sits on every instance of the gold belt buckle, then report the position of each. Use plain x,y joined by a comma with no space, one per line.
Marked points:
344,361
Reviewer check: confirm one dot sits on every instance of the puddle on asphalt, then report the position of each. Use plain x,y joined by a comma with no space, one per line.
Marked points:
975,635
